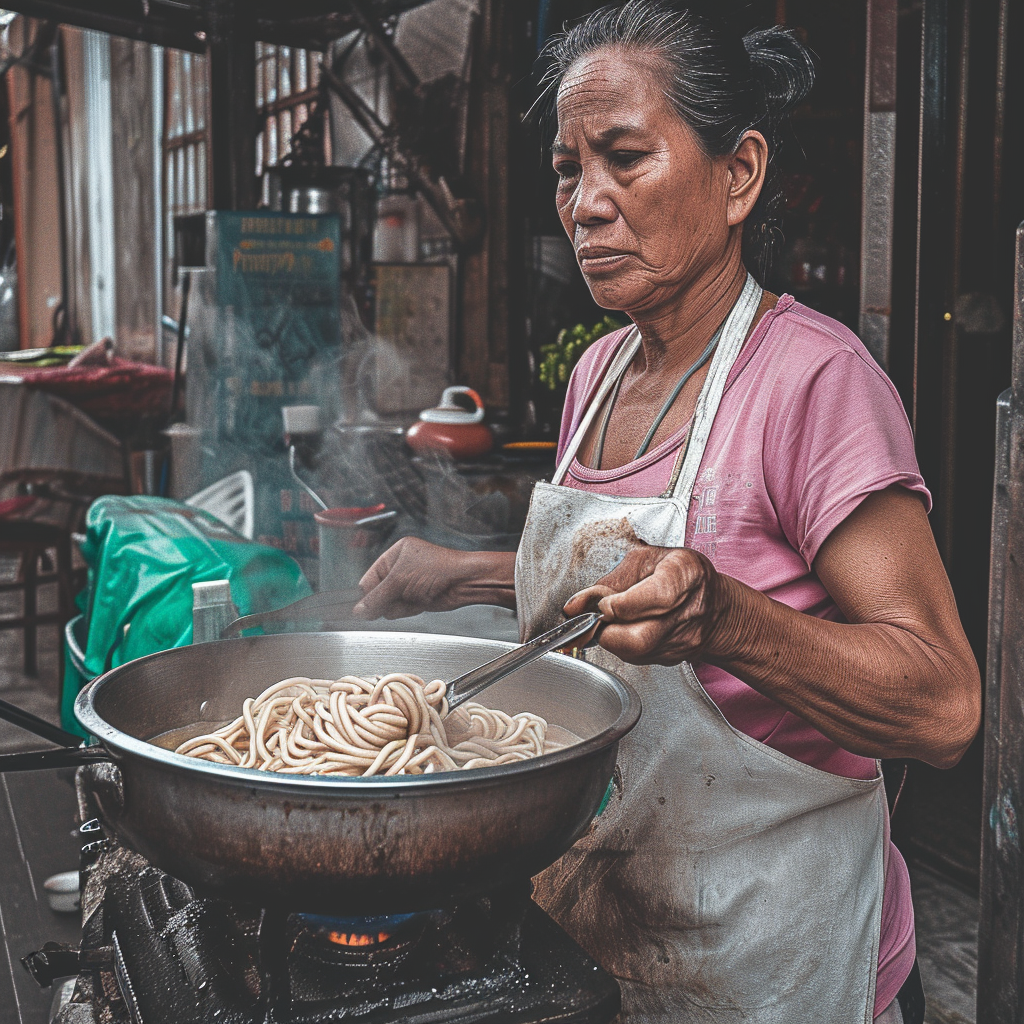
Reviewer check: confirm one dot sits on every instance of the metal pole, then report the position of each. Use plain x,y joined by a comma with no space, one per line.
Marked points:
156,59
999,125
1001,914
879,179
373,28
67,332
231,48
934,331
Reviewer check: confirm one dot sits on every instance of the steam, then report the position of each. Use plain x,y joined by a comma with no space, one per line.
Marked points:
359,460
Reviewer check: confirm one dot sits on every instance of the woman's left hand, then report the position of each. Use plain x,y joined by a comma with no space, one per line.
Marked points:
662,606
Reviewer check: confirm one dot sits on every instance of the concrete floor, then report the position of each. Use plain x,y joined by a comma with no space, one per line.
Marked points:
947,946
39,694
37,819
946,915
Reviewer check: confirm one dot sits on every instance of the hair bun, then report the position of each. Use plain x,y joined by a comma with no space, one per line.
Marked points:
783,65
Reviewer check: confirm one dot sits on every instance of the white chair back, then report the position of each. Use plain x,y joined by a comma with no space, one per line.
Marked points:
230,500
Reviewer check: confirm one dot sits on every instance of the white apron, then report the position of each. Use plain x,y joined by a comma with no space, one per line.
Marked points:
724,881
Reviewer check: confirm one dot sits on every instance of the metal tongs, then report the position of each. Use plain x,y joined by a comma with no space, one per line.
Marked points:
329,609
469,684
324,611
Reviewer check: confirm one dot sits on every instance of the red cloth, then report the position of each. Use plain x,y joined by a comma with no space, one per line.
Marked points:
121,389
15,506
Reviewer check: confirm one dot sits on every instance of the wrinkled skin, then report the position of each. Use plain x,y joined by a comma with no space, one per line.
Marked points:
654,221
657,228
650,215
662,606
414,575
898,679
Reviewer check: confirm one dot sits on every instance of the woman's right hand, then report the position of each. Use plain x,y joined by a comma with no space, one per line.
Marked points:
415,576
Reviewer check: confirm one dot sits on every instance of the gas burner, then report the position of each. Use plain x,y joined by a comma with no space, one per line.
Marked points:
353,933
370,942
154,952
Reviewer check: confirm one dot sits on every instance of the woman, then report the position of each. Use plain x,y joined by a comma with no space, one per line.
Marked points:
737,492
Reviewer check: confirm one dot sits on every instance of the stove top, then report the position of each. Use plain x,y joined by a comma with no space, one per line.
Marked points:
153,952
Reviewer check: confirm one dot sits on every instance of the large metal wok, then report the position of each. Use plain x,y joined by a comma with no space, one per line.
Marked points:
378,845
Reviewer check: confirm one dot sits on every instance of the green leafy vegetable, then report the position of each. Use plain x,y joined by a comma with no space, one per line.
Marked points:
558,359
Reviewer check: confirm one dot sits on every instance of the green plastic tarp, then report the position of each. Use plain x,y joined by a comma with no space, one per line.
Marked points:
144,554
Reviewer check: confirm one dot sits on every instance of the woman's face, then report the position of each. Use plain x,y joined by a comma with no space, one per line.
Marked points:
647,211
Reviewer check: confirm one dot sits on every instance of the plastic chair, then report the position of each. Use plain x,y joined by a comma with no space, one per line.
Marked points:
230,500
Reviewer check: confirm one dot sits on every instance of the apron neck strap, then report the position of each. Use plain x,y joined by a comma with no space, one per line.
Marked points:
733,334
616,368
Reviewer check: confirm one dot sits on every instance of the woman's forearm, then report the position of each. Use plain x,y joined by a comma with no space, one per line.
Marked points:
415,576
877,689
897,679
489,577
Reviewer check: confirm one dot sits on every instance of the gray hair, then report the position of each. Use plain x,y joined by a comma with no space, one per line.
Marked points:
720,83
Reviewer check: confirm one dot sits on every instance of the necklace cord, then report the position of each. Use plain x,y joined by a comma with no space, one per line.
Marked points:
670,401
603,432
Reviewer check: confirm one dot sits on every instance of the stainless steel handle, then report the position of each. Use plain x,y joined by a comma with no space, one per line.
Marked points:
302,483
33,723
469,684
326,609
379,517
58,757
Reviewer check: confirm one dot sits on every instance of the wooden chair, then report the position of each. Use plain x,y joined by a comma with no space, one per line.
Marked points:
48,504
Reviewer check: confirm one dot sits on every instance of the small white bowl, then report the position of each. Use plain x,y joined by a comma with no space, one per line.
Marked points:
63,892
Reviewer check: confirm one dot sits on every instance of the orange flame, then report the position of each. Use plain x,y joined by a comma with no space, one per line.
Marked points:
357,939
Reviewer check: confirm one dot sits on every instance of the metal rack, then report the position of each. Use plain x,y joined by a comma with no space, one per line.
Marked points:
189,24
227,31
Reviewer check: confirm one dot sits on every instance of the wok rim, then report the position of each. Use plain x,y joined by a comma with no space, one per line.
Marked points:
116,741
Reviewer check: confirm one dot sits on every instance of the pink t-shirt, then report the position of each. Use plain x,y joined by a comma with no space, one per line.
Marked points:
807,428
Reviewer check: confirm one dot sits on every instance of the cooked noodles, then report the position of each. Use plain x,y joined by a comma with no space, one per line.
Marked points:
394,725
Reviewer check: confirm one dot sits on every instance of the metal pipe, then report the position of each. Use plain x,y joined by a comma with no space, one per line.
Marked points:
39,726
999,127
62,757
68,328
373,28
186,287
161,30
156,78
950,335
231,67
302,483
933,313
